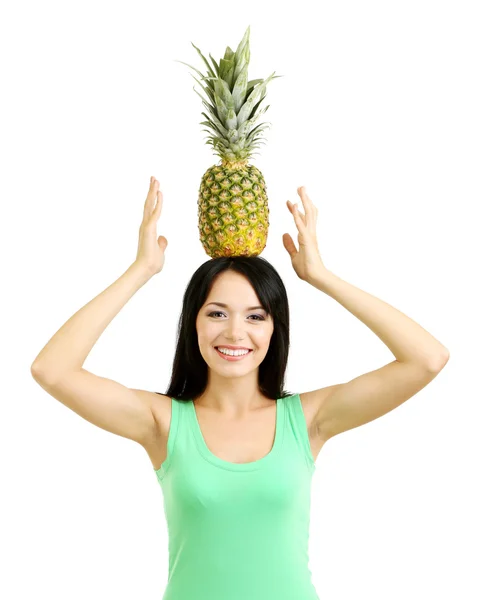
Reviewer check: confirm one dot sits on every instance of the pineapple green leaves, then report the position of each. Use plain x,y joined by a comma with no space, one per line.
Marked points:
223,97
242,54
233,102
226,67
240,87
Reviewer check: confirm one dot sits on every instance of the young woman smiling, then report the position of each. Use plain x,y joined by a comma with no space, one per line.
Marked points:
234,452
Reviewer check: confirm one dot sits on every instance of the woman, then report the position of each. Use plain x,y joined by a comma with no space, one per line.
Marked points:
233,452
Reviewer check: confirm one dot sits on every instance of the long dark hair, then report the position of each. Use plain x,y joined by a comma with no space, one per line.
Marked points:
190,371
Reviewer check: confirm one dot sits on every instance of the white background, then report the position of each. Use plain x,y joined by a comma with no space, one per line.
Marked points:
380,114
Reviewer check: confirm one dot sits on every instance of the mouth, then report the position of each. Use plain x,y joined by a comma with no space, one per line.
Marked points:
230,357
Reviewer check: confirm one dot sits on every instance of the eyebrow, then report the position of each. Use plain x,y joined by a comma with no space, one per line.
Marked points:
226,306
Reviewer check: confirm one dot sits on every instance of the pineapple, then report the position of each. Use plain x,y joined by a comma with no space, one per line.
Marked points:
233,212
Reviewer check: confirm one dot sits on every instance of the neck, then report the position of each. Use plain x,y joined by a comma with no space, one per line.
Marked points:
234,403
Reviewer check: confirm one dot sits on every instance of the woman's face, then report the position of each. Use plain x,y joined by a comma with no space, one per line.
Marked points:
233,325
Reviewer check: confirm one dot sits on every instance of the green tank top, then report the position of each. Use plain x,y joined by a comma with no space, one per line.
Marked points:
238,531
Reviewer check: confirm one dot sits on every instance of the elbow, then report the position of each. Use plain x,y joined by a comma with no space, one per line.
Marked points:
34,370
440,362
38,372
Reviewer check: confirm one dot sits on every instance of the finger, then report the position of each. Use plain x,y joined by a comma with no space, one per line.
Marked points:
160,202
298,219
158,206
291,209
289,245
152,187
308,206
150,200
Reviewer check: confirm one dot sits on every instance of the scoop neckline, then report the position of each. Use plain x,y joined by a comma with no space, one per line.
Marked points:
231,466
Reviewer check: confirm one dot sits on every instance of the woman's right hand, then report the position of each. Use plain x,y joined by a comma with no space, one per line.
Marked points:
151,251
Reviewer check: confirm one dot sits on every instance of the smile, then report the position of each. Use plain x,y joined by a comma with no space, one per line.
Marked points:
232,358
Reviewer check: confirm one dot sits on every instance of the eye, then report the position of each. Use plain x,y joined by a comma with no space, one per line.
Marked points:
218,312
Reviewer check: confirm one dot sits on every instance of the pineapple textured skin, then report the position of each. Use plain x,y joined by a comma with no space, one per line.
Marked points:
233,210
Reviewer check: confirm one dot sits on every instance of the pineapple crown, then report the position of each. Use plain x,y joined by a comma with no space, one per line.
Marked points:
233,102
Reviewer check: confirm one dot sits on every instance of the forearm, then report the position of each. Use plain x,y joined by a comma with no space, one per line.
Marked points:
68,348
407,340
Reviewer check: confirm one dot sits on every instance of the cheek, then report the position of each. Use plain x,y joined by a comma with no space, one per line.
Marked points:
263,337
207,334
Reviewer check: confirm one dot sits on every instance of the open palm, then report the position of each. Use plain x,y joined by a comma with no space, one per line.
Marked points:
306,261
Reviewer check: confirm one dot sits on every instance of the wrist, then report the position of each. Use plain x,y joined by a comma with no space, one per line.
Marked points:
320,278
142,270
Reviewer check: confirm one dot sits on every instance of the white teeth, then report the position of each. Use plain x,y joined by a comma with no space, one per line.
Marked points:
233,352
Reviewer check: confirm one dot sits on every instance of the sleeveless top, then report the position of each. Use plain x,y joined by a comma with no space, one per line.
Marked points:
238,531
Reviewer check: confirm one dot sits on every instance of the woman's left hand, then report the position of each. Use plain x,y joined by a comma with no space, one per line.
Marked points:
306,261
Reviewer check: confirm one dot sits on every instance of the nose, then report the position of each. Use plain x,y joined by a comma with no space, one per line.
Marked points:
234,332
